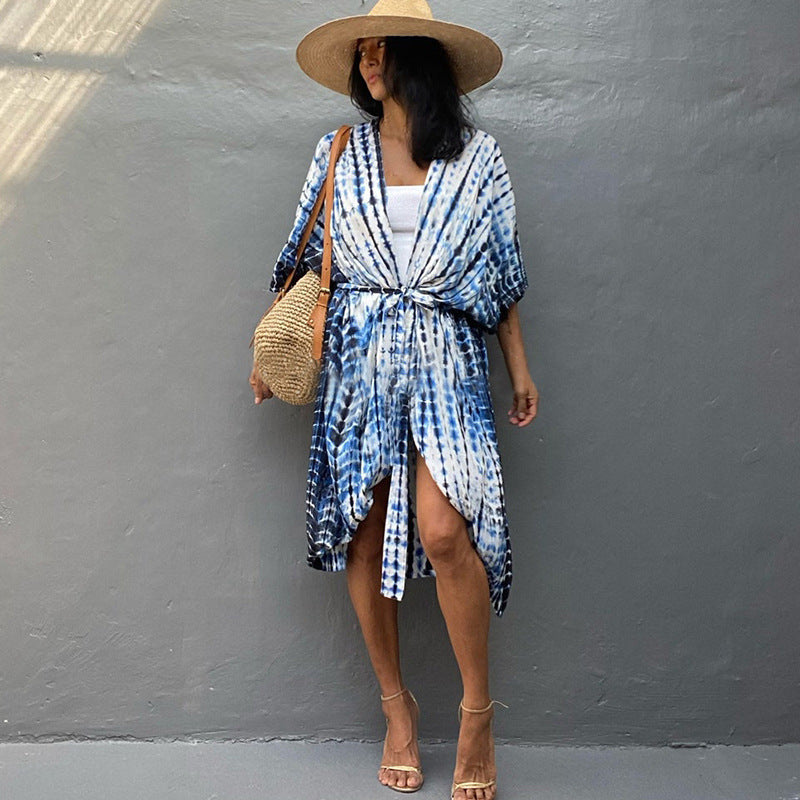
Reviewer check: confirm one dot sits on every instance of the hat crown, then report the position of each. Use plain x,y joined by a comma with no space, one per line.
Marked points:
327,52
402,8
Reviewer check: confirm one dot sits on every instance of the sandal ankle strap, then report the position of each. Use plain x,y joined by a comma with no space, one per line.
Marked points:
462,707
392,696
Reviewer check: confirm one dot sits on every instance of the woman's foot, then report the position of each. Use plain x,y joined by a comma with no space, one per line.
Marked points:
475,756
400,746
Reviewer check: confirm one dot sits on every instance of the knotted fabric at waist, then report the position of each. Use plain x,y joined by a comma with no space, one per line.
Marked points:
415,295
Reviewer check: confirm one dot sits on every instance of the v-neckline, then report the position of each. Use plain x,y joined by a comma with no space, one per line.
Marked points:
384,198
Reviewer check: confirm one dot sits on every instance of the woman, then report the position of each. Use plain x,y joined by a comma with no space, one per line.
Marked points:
426,261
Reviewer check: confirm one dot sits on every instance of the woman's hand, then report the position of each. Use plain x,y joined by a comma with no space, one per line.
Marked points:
260,389
525,404
526,395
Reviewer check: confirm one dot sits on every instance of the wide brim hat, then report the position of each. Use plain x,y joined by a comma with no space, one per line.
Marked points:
326,53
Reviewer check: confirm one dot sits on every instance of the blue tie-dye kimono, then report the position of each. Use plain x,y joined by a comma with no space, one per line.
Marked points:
409,360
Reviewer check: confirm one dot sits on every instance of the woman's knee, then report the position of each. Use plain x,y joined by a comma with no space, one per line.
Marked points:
445,541
442,529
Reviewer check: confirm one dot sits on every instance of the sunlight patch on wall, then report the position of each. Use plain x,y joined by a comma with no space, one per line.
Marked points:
52,55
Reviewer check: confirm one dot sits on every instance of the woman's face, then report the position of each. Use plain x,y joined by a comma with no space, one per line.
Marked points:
370,64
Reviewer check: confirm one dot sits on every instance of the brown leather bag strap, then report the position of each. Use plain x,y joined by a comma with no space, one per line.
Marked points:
320,310
312,219
337,146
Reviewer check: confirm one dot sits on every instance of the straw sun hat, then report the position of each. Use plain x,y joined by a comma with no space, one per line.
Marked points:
326,53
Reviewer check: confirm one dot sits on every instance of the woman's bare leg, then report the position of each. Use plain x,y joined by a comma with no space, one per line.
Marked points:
377,616
463,591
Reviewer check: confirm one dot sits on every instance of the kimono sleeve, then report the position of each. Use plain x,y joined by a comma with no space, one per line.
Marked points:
312,255
507,278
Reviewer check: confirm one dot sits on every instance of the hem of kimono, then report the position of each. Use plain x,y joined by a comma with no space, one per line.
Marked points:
328,557
334,559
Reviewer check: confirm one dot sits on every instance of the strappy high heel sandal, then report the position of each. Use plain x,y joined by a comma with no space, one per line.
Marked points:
475,784
403,767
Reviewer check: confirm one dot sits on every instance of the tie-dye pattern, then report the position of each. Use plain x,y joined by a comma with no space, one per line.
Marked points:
409,361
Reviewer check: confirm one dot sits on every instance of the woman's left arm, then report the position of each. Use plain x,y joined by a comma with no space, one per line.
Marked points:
526,396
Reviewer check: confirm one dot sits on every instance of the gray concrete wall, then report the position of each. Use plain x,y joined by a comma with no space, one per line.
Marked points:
152,575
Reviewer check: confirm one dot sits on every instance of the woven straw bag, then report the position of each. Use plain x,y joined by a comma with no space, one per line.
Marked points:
288,340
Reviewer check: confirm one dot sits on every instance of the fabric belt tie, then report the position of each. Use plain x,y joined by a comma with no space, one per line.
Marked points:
415,295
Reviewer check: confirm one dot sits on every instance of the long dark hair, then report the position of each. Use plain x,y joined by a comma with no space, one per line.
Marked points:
418,74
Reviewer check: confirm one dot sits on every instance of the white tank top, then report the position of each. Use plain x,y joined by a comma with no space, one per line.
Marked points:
402,204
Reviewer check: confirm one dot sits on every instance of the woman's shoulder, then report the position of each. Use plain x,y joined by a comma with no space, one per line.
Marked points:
481,141
481,136
322,150
358,129
481,150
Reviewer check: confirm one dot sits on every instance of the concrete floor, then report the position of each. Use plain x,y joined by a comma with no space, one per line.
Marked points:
299,770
